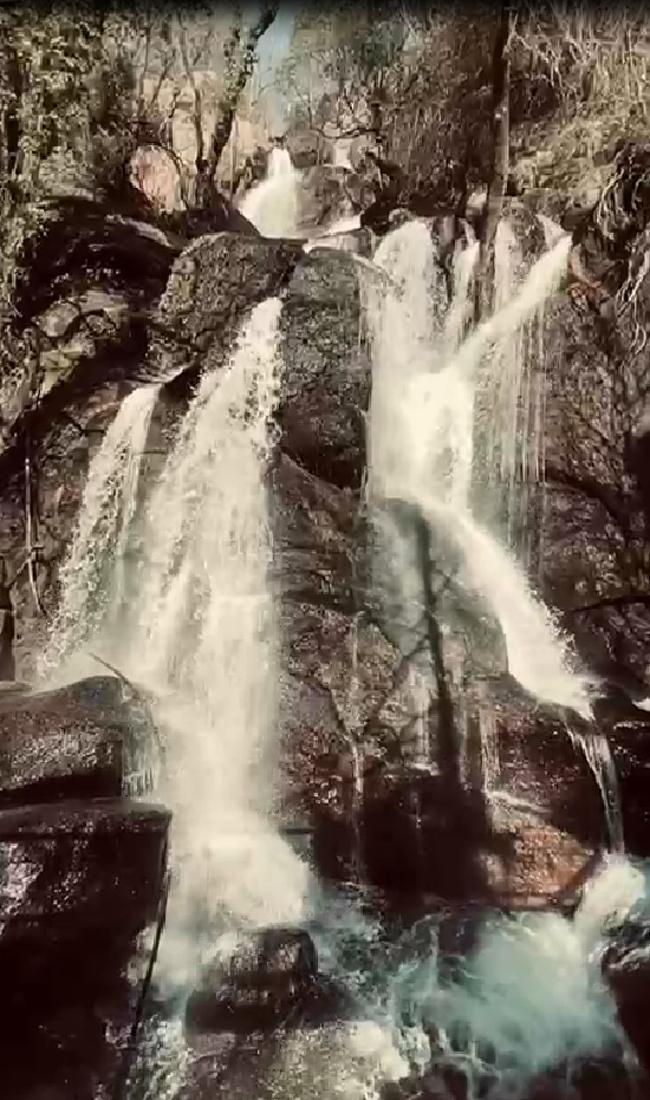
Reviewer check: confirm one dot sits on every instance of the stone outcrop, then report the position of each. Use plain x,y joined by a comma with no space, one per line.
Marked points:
326,374
82,887
270,981
216,280
80,894
80,741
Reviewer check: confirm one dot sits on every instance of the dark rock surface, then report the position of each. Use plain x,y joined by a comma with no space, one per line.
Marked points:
54,747
80,884
216,280
326,380
270,981
626,967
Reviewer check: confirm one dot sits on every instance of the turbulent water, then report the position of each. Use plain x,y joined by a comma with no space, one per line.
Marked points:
273,206
527,998
198,630
92,577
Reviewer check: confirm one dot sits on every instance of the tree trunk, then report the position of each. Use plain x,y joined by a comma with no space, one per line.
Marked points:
448,744
227,106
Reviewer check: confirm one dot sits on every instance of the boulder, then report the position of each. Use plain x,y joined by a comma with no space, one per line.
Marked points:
212,285
271,980
81,888
70,743
326,382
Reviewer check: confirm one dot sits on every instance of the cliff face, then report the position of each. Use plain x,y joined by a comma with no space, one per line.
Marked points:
354,730
588,540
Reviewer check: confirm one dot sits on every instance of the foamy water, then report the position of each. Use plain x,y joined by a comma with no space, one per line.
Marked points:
273,205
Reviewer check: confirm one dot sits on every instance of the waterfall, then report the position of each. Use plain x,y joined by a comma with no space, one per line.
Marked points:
199,631
338,235
203,637
92,577
598,755
421,442
511,397
421,454
273,205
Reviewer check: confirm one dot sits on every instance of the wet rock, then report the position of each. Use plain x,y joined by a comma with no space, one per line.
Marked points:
80,892
626,968
70,743
328,193
270,980
215,281
326,380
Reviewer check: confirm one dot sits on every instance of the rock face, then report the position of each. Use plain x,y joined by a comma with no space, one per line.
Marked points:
378,740
212,284
82,873
326,381
53,747
80,885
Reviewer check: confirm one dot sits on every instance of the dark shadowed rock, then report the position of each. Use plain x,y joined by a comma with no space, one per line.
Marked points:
270,980
626,968
80,886
326,381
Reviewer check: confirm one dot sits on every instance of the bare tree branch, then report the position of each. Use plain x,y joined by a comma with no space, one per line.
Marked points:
240,71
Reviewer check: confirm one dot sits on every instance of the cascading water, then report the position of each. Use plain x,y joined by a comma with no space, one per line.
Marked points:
420,449
202,636
522,1010
198,631
421,439
273,206
92,579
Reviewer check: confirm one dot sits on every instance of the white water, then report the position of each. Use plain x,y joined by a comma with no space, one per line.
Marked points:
338,235
92,575
199,632
203,637
342,153
273,206
344,225
527,997
421,428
